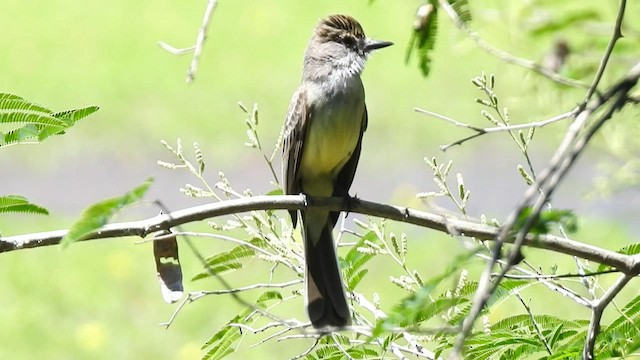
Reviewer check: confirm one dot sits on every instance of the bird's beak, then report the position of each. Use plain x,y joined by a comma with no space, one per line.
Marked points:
371,44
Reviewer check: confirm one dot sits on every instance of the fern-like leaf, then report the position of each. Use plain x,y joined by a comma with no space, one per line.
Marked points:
229,260
14,102
628,323
19,204
222,343
423,38
419,306
35,122
461,7
70,118
355,260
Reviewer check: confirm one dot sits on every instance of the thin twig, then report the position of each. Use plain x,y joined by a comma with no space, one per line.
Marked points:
558,276
535,324
481,131
549,284
299,325
199,45
308,351
461,141
617,34
256,330
535,124
339,346
252,287
173,316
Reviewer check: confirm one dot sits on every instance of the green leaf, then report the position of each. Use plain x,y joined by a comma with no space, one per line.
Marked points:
461,7
629,317
565,354
19,204
36,123
217,270
14,102
355,279
229,260
268,296
545,219
70,118
522,322
492,346
30,117
505,288
328,347
405,313
222,342
98,214
275,192
555,335
22,134
73,116
420,306
424,36
355,260
568,20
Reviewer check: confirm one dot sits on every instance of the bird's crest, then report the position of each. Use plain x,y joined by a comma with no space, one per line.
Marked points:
335,27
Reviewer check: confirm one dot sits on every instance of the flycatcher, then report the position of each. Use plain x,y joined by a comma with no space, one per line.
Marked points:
322,141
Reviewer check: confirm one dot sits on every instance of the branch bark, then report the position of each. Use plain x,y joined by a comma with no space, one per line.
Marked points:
596,315
625,263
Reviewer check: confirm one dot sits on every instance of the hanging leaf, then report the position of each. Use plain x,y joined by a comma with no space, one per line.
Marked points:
165,253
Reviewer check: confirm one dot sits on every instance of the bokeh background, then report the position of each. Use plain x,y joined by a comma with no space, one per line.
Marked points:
100,300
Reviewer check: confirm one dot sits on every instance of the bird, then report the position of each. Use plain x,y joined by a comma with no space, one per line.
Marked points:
322,141
556,58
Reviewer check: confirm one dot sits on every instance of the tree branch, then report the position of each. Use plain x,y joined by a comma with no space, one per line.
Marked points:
142,228
596,316
572,145
617,34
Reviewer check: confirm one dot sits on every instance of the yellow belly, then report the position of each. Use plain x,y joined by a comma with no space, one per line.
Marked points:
330,140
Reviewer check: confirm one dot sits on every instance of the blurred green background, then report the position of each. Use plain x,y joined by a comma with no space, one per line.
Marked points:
100,300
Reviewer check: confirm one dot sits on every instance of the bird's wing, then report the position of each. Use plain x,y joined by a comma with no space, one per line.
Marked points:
294,134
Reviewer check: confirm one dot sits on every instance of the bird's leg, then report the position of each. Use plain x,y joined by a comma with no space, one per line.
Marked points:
347,200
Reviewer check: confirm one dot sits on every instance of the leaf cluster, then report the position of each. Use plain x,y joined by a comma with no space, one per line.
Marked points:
30,123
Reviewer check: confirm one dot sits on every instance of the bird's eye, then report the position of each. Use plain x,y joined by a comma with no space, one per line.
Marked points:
349,41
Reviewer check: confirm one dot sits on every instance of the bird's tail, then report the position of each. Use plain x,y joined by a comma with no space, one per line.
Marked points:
326,300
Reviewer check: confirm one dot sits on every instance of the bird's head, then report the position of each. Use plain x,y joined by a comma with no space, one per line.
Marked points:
340,41
346,31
